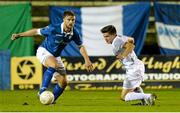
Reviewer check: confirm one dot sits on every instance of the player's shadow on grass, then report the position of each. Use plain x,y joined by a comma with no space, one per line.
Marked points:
138,104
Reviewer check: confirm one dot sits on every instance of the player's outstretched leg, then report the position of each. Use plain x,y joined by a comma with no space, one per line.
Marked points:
136,96
140,90
47,79
129,95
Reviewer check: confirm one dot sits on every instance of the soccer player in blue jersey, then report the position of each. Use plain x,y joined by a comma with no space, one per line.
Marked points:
57,37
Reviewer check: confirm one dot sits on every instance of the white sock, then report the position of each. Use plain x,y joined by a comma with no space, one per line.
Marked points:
136,96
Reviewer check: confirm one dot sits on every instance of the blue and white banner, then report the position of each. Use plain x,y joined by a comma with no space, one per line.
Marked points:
167,18
130,20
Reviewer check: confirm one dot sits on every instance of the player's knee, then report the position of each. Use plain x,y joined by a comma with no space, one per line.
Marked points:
56,66
53,65
122,97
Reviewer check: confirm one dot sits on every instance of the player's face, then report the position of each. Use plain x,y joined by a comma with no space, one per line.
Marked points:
108,37
69,22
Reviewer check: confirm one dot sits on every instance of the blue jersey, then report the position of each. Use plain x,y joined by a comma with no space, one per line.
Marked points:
56,39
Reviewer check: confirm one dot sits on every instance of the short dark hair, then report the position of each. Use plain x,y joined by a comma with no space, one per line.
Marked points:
109,29
68,13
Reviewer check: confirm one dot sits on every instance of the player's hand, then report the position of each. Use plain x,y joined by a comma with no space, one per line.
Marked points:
89,66
15,36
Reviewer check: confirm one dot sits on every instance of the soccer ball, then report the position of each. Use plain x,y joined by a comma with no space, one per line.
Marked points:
46,97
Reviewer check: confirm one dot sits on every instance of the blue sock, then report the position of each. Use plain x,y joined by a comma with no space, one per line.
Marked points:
57,91
47,79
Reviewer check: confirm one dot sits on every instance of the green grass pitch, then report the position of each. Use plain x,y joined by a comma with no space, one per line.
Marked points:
87,101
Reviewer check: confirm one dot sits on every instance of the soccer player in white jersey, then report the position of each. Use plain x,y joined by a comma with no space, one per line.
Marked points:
123,50
48,53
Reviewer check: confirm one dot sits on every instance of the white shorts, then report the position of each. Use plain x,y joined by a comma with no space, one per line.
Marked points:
134,75
131,84
135,71
42,54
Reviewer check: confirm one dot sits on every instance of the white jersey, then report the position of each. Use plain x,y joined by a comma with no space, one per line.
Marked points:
134,67
117,44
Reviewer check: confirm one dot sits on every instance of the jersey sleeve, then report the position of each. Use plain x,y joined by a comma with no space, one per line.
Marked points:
45,31
77,39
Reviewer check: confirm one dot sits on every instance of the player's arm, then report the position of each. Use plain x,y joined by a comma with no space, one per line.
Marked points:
128,47
32,32
88,63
